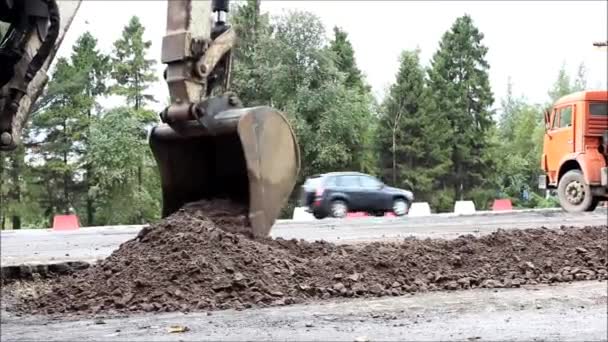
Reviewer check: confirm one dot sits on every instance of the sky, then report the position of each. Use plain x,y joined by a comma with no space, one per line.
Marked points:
528,41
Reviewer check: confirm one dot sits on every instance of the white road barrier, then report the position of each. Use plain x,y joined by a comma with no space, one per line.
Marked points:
464,208
300,214
420,209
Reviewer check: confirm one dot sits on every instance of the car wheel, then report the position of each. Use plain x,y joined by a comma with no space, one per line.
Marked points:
318,215
574,193
400,206
338,209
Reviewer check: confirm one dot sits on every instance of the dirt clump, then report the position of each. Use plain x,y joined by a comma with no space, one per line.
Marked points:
198,259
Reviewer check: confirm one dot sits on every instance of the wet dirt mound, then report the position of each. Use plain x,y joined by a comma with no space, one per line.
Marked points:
197,260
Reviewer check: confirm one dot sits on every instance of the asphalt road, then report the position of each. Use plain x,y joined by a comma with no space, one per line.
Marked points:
41,246
568,312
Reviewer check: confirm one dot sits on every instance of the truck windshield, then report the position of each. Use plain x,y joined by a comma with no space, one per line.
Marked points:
598,108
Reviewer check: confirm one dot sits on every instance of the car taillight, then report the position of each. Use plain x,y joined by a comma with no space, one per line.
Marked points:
318,195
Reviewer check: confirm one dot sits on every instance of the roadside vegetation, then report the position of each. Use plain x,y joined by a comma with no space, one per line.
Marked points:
439,130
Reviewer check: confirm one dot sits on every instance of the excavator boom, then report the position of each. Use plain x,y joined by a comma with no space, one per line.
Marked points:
34,34
207,145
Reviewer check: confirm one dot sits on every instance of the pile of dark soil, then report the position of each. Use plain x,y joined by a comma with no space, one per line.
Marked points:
195,260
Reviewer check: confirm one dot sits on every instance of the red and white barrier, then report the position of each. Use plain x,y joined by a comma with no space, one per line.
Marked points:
419,209
357,214
502,204
464,208
65,223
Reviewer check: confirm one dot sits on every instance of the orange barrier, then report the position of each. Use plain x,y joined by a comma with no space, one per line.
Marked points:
502,204
65,222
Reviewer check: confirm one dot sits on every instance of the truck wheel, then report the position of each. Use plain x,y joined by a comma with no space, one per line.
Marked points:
574,193
594,203
338,209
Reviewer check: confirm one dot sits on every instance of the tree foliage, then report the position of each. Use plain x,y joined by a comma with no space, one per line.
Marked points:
561,86
517,170
13,196
564,84
345,59
580,82
288,63
252,28
121,198
412,145
59,132
72,142
94,67
460,88
132,71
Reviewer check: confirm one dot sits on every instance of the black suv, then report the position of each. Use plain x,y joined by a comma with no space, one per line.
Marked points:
335,194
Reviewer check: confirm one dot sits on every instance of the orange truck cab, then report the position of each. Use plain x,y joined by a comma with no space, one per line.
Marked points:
575,150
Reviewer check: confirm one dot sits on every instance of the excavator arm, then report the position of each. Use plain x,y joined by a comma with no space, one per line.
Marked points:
196,50
207,145
36,29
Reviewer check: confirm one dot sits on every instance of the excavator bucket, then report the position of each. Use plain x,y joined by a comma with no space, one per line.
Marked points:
247,155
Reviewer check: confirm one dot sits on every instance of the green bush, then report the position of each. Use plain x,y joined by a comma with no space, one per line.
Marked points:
537,201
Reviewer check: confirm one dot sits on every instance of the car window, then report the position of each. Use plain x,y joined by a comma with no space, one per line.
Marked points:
348,182
369,182
565,117
330,182
554,118
312,183
598,108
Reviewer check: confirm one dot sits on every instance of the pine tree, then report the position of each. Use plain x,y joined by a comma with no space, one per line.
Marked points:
411,141
508,108
461,90
345,59
562,85
62,127
580,82
12,169
248,77
93,66
132,71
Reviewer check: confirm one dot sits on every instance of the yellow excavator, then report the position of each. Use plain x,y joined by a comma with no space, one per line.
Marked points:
207,145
